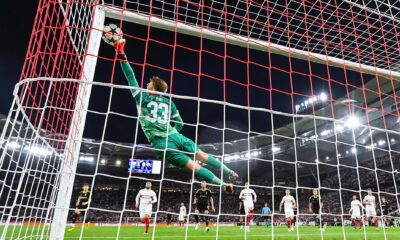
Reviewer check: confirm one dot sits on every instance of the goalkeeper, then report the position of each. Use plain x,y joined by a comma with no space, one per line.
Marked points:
155,114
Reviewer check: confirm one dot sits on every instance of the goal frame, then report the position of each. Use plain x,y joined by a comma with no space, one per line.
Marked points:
101,12
73,142
241,41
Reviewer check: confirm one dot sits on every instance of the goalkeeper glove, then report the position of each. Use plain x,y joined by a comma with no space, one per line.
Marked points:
120,46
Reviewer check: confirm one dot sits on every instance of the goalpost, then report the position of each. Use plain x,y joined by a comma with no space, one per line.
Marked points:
265,48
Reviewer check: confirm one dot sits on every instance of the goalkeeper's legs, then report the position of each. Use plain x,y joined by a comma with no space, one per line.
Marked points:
177,143
202,172
207,175
215,163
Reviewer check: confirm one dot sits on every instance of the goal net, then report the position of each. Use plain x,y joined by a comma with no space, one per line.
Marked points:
296,95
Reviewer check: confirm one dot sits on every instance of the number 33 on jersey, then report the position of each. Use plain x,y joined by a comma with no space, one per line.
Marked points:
156,112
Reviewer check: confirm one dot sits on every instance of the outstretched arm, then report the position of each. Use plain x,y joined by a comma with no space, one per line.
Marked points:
127,70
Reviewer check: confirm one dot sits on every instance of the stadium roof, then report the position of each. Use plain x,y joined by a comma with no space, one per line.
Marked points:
303,132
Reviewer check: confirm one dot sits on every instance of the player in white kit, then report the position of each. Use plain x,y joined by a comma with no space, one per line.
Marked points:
370,207
182,215
355,211
144,201
289,204
249,197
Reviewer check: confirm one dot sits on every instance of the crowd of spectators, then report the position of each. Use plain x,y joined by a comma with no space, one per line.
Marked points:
111,202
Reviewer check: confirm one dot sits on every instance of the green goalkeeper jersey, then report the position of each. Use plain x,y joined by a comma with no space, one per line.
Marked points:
155,112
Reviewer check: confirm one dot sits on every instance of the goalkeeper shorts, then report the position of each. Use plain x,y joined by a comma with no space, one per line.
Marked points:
177,148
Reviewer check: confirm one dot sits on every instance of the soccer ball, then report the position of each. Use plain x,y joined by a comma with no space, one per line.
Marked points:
111,33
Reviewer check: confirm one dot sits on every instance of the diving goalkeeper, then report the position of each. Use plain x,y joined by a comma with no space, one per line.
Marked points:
156,113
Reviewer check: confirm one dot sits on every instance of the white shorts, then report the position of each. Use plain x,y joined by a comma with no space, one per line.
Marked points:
289,213
181,218
248,206
370,211
145,210
355,214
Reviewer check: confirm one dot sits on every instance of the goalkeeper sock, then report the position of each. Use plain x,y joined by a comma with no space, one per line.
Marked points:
215,163
196,218
208,176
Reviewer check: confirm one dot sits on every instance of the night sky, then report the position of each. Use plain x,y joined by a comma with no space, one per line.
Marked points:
17,23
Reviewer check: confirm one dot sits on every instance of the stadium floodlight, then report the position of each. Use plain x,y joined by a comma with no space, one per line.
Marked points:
327,158
86,158
38,150
276,149
228,158
339,128
118,162
103,161
352,122
354,150
369,147
392,140
325,132
381,142
236,156
13,145
323,97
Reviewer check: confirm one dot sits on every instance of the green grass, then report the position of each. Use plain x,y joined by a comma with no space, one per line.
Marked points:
224,233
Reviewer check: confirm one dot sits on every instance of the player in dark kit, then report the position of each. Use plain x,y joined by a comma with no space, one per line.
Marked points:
385,212
82,204
169,217
203,199
315,205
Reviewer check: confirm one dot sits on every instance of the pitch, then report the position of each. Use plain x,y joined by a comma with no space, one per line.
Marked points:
224,233
231,233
